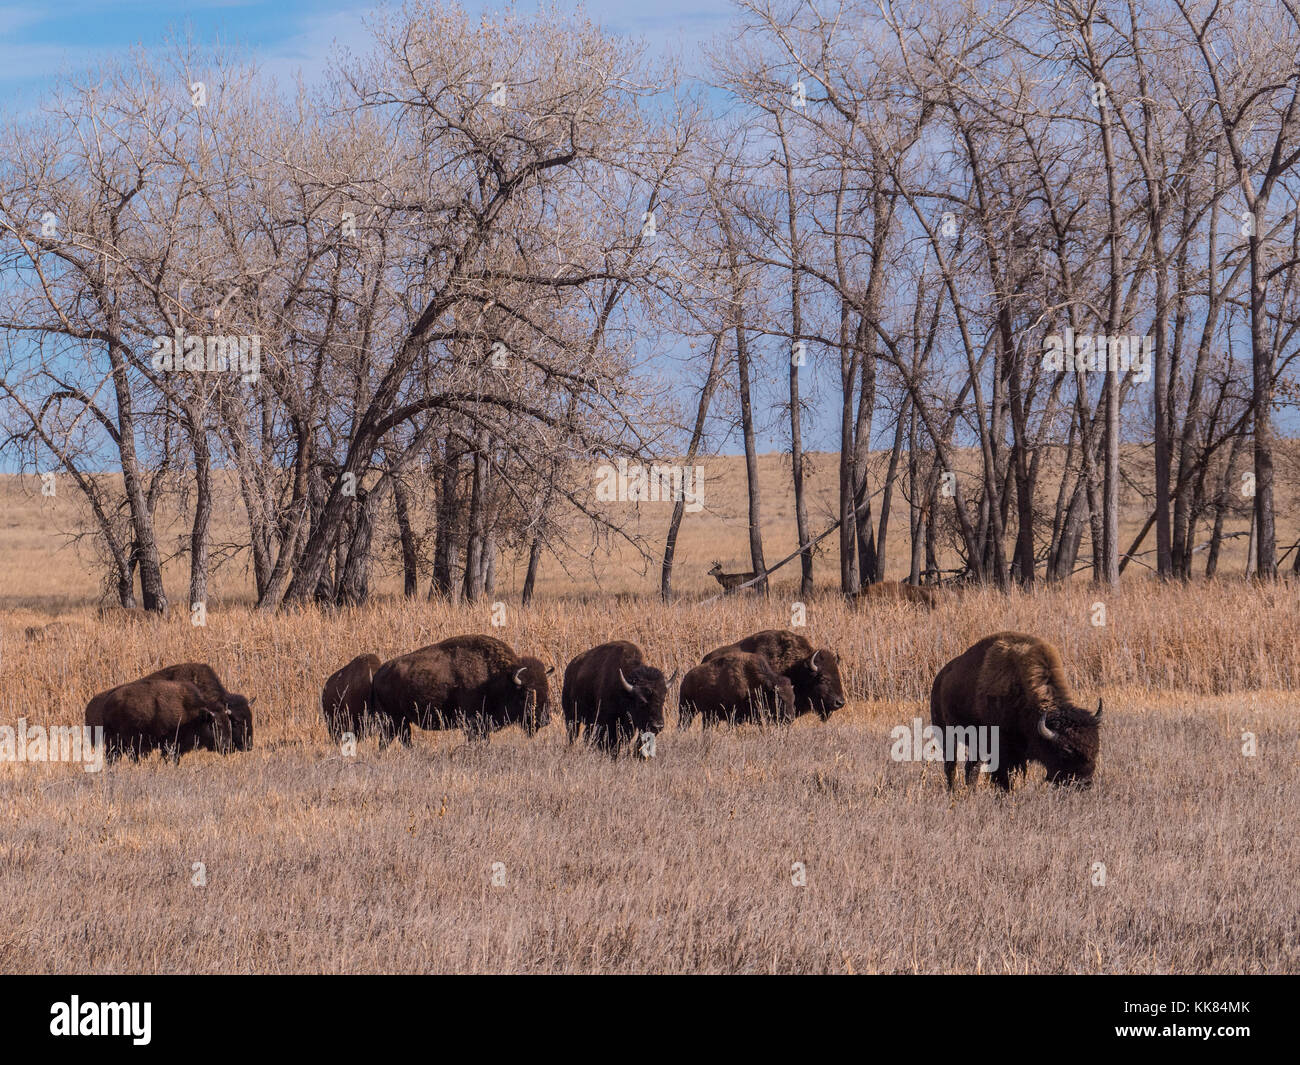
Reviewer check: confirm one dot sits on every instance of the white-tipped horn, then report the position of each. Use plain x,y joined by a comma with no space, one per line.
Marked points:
519,676
626,685
1043,730
673,677
812,662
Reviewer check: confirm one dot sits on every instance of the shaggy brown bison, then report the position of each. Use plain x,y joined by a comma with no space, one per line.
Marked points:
611,692
345,700
1015,683
814,672
735,687
476,683
205,678
898,592
168,715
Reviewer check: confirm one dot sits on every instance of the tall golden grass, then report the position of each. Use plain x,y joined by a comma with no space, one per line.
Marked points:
388,861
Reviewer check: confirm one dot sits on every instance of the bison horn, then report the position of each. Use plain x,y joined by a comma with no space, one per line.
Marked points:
673,677
1043,730
626,685
812,662
1098,713
519,676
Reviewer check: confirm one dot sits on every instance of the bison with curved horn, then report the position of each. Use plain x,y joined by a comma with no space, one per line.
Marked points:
814,672
475,683
611,693
1015,683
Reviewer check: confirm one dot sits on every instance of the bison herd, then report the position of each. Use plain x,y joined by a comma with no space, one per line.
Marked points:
1009,681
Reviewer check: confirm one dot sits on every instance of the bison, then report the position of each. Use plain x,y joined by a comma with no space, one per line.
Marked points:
814,672
205,678
738,686
346,700
146,715
1015,683
898,592
476,683
611,692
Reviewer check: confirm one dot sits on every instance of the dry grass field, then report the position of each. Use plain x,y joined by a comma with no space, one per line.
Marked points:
386,861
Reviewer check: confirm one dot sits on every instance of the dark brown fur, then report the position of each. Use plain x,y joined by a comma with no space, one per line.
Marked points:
205,678
735,687
465,682
346,700
595,695
1016,682
168,715
814,672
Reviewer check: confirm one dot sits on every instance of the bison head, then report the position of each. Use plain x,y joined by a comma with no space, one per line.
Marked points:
214,730
642,704
1069,741
817,685
529,694
241,721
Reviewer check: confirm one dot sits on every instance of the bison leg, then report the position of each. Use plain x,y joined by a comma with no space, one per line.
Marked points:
1002,777
972,767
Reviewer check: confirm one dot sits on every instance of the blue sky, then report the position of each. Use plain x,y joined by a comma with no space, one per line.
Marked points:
39,40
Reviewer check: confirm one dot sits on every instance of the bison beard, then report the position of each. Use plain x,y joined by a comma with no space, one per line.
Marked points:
476,683
1016,683
611,693
814,672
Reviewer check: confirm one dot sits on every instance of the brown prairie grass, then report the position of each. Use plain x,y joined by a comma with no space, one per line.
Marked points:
385,862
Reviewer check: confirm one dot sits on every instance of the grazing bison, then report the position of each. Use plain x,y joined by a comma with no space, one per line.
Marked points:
738,686
1015,683
205,678
346,699
147,715
814,672
614,694
898,592
476,683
